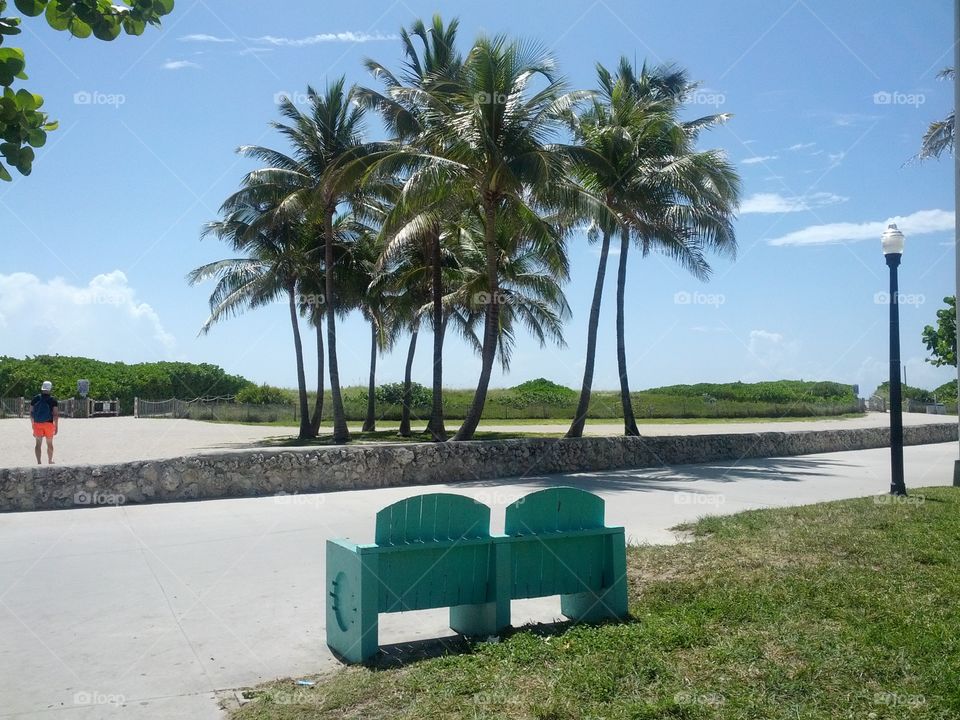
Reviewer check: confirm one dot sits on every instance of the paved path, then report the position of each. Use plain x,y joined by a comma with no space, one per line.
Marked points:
159,606
106,440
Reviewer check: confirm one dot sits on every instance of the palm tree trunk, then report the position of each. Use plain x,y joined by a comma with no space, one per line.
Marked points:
407,380
370,422
301,375
629,421
436,425
580,418
340,432
318,404
491,328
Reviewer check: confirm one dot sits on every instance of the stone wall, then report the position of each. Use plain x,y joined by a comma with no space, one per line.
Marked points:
298,470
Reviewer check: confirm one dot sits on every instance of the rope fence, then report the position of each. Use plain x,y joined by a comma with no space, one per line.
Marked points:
223,409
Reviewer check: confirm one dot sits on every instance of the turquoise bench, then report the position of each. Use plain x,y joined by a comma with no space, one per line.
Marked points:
436,550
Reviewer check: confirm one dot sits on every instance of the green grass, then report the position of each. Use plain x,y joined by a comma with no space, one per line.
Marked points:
561,423
839,610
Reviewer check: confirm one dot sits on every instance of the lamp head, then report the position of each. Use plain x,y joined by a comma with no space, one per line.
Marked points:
892,240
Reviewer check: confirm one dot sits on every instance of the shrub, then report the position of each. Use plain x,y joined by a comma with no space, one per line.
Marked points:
264,395
392,394
539,392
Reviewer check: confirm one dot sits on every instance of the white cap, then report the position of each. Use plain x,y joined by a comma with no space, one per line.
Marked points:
47,386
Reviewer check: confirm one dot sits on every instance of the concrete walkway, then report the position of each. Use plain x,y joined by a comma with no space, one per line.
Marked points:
111,440
143,612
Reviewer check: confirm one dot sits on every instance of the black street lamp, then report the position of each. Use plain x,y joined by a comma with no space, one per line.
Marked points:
892,243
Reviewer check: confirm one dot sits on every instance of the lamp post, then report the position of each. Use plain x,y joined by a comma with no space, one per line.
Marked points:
892,243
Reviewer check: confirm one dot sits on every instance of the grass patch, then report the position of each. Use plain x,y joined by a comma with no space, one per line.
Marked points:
562,423
838,610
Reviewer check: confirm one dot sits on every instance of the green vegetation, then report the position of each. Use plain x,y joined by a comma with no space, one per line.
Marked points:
538,399
838,610
941,341
543,399
154,381
263,395
23,126
909,392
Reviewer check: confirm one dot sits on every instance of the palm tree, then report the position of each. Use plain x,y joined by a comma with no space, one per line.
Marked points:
276,253
530,272
435,63
326,139
487,128
615,132
364,291
940,134
674,200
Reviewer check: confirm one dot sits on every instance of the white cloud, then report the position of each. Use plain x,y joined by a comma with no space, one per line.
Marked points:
836,158
801,146
773,352
354,37
101,319
776,203
759,159
764,336
179,64
918,223
200,37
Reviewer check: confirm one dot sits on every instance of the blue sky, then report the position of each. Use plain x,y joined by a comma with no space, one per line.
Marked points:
829,101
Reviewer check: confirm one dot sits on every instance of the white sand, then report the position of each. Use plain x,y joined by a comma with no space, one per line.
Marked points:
106,440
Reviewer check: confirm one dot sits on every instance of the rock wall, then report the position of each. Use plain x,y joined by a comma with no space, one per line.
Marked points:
299,470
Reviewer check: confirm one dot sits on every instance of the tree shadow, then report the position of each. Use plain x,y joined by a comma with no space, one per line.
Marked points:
679,477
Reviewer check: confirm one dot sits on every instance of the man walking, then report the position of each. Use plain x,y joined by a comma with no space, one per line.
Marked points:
45,416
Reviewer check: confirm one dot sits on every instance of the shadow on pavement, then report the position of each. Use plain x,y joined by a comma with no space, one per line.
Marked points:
785,469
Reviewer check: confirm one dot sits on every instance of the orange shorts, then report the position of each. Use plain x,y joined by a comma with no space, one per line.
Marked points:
43,430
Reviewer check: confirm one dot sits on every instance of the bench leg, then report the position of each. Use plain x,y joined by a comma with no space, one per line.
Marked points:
489,618
611,601
352,620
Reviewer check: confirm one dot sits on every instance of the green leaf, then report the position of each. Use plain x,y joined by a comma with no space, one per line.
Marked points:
25,162
4,175
31,8
163,7
79,29
56,19
51,126
132,26
37,138
26,100
107,30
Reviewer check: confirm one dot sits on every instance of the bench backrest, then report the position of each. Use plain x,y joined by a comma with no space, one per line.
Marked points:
435,551
559,545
